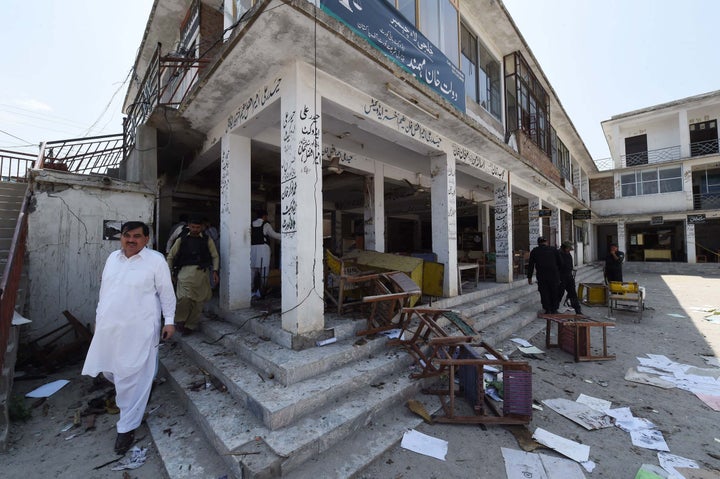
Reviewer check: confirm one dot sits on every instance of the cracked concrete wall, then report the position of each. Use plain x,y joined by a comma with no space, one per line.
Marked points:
66,249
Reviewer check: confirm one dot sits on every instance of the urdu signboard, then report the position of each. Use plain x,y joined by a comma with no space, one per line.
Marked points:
696,219
388,31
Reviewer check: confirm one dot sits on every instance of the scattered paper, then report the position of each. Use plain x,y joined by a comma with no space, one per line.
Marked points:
644,378
47,390
713,318
521,465
582,414
392,333
670,462
651,471
423,444
589,466
574,450
18,320
595,403
712,401
136,459
649,439
530,350
676,315
560,468
712,361
521,342
689,473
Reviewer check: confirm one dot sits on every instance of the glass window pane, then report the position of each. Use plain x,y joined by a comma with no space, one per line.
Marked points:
670,173
471,89
649,187
649,175
407,9
668,186
428,20
449,33
627,178
628,190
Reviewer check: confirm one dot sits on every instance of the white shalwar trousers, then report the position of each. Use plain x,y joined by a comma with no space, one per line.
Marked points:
132,394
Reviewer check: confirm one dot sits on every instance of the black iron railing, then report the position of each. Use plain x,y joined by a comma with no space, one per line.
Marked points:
661,155
14,165
96,154
706,201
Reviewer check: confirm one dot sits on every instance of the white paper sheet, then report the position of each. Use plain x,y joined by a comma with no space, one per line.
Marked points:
649,439
582,414
530,350
670,461
423,444
566,447
48,389
18,320
521,342
521,464
559,468
595,403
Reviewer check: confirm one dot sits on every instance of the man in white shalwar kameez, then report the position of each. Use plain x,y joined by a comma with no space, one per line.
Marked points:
135,289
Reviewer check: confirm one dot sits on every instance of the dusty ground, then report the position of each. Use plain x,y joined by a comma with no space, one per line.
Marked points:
39,448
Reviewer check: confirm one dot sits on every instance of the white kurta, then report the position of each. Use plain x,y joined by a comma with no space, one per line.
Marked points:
133,293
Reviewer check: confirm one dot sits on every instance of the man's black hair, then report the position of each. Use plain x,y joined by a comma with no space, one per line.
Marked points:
132,225
195,220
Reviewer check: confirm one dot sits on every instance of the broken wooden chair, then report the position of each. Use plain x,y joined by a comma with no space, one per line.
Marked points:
53,349
574,335
469,365
344,281
390,293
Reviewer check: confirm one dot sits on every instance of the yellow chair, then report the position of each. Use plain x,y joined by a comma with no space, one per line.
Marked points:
343,280
627,296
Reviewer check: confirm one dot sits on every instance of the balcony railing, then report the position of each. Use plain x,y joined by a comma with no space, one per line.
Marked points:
706,201
661,155
14,165
167,82
97,154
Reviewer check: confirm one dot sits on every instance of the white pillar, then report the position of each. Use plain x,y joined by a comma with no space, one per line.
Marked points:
684,134
622,245
375,210
443,196
687,186
534,220
301,207
555,232
690,242
235,219
503,234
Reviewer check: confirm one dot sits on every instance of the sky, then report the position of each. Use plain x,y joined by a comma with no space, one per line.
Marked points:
64,60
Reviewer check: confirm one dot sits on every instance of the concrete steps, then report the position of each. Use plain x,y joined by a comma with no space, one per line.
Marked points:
326,411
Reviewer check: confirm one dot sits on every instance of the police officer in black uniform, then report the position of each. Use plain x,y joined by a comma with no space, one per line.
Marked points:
546,260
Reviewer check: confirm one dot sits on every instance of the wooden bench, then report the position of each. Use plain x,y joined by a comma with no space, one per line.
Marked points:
626,296
574,335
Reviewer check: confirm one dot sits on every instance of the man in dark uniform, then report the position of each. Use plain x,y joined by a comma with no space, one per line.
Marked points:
613,264
566,275
547,261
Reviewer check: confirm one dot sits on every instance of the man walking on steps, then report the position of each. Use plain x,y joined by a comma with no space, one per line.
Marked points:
567,265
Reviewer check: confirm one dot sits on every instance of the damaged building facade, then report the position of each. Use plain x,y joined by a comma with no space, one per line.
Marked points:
658,197
401,127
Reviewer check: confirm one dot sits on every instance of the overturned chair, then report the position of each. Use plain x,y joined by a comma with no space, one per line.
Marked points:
464,356
344,281
389,294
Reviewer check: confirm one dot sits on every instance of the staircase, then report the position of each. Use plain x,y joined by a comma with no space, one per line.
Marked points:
11,198
243,405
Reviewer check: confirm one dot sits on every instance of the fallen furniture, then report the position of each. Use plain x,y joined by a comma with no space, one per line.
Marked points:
344,280
626,296
391,292
52,350
574,333
441,355
592,294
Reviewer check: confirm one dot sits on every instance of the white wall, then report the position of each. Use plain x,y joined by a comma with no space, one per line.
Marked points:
660,203
66,249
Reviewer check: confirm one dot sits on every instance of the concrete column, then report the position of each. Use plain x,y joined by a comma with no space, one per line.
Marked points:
555,232
622,245
690,242
141,165
375,210
684,134
443,196
301,207
687,186
484,210
503,234
534,220
235,219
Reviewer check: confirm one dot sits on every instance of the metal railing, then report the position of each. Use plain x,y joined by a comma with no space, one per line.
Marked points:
167,82
95,154
14,165
706,201
661,155
11,277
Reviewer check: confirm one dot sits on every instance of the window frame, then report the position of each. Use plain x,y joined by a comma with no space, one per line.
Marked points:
642,181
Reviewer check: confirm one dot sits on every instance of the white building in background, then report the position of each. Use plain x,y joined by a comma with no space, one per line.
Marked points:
658,197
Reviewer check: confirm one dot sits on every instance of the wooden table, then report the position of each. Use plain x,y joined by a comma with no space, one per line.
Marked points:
465,267
573,335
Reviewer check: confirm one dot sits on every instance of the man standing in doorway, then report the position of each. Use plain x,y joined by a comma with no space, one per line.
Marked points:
547,261
260,231
613,264
134,290
567,265
191,256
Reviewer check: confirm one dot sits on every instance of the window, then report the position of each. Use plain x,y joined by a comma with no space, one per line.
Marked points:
482,72
636,151
240,7
650,182
527,104
563,155
437,20
703,138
